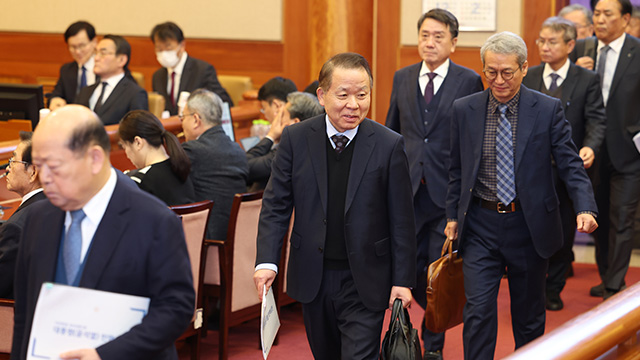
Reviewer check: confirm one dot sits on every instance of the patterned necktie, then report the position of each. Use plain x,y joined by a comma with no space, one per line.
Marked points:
83,78
340,141
554,82
428,90
99,102
73,245
505,175
172,93
602,62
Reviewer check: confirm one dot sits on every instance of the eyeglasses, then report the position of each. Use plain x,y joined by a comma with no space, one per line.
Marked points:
11,161
103,52
182,116
505,74
78,47
550,43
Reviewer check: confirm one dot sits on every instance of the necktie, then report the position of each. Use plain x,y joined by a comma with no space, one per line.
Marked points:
99,102
505,175
172,93
73,245
554,82
602,62
83,78
340,141
428,90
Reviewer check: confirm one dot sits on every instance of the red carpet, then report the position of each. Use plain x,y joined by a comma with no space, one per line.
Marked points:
244,340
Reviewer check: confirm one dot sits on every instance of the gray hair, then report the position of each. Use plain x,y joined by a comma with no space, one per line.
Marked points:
207,104
558,24
303,105
505,43
588,14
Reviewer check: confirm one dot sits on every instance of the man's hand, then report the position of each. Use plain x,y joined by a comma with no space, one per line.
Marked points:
277,126
587,155
262,277
56,102
585,62
82,354
586,223
451,231
402,293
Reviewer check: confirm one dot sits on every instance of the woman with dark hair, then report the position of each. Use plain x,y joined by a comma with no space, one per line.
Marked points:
162,170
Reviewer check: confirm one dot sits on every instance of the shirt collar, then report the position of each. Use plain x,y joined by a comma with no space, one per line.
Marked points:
562,72
180,67
615,45
114,80
331,130
441,70
512,104
97,205
89,64
29,195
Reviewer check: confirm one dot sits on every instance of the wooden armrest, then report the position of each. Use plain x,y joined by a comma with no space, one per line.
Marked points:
218,243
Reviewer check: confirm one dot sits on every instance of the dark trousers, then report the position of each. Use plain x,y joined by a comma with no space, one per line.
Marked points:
430,224
617,196
491,243
338,324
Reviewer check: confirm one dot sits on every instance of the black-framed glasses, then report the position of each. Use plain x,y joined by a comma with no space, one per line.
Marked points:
506,74
11,161
182,116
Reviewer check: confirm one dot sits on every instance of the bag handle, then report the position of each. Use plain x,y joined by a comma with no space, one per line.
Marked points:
400,313
447,247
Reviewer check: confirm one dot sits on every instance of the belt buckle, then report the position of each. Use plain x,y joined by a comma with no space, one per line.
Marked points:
505,209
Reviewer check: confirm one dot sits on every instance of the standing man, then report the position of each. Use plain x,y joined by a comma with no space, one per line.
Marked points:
420,109
616,60
353,241
22,179
502,202
218,165
117,93
180,72
633,28
98,230
579,91
581,17
81,40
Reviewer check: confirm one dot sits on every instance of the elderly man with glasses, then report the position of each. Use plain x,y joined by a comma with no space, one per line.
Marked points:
501,201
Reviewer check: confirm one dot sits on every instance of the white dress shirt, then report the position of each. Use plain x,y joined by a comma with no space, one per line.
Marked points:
112,82
29,195
441,72
613,55
178,69
562,74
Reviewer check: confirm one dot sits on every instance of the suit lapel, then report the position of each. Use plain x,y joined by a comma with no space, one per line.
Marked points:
115,94
38,196
537,81
414,92
361,153
626,56
448,91
476,125
318,154
527,114
46,252
185,78
568,86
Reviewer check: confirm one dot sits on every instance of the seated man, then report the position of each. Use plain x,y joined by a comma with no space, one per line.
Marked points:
180,71
299,106
273,95
81,40
22,179
117,93
218,165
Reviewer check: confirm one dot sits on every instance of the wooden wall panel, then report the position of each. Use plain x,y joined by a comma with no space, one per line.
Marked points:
386,54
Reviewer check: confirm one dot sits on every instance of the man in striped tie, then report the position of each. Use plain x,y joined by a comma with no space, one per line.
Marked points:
501,201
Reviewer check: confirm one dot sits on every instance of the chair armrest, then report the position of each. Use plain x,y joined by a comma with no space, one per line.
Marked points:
218,243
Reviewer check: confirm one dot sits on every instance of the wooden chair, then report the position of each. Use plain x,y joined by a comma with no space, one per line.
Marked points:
138,77
6,327
195,218
10,129
156,104
231,278
235,85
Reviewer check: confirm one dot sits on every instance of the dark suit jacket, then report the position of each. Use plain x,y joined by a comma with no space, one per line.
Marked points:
67,84
623,106
378,216
196,74
138,249
218,171
428,145
581,102
260,158
542,132
126,96
10,233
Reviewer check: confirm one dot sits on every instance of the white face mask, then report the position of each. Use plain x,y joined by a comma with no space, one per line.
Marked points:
168,58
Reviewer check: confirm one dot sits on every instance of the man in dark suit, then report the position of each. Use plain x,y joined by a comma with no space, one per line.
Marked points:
420,109
616,59
579,91
81,40
180,72
502,196
22,179
117,93
218,165
353,241
299,106
98,230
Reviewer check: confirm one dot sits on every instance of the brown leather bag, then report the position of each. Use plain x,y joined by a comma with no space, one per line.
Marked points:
445,291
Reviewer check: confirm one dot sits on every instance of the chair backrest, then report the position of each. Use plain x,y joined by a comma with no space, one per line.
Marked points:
138,77
6,325
195,218
10,129
235,85
156,104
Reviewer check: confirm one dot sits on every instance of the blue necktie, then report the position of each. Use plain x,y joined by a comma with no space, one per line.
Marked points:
73,245
83,77
505,174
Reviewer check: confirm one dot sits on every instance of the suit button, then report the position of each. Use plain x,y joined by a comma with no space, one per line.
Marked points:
426,111
426,141
426,123
470,190
324,221
320,250
465,213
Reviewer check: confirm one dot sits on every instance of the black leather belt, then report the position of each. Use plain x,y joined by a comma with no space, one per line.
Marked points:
498,206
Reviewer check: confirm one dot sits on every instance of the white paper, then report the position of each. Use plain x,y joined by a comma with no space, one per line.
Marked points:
69,318
269,321
636,141
225,119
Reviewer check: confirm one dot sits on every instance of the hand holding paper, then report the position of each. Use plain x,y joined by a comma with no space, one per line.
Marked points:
269,321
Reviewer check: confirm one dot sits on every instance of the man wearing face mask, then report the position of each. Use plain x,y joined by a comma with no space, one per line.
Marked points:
180,71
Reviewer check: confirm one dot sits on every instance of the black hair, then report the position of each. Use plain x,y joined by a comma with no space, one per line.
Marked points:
78,26
167,31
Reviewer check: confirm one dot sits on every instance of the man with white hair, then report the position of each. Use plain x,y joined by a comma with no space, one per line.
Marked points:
581,17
